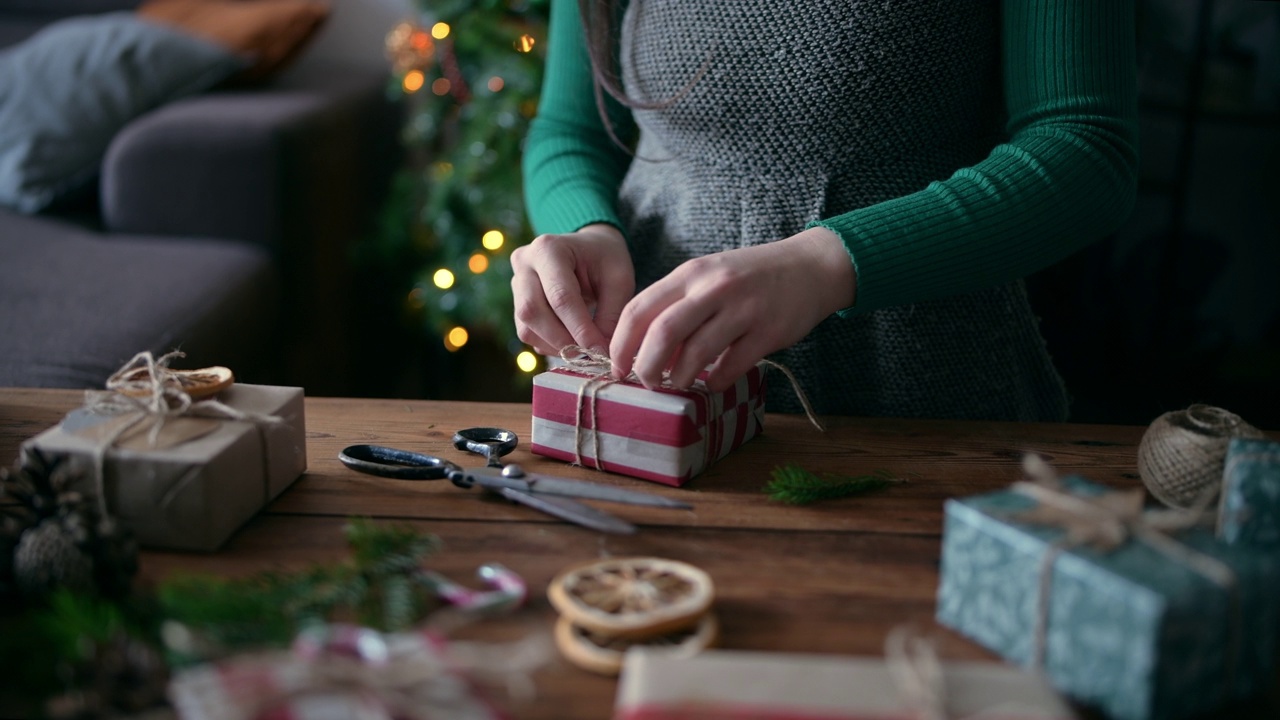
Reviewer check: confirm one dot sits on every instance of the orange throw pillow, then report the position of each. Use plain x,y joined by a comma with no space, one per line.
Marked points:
270,33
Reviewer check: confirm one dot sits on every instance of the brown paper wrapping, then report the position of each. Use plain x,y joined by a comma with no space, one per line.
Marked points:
195,495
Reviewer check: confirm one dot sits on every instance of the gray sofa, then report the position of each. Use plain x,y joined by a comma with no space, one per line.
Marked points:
221,225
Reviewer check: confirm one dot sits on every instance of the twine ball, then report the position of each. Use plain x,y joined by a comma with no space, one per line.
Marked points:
1182,453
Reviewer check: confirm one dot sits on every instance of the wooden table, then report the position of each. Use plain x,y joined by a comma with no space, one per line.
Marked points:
828,578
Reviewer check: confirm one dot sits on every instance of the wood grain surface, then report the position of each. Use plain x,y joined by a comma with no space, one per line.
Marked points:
828,578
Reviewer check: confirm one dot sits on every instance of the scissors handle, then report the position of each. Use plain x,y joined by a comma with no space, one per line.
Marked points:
393,463
489,442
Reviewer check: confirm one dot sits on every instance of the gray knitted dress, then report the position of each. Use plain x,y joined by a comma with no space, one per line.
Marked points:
809,109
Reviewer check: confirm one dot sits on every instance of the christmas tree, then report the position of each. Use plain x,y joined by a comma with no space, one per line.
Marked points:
469,73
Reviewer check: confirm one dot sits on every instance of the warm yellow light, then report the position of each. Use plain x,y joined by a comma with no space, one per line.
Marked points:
492,240
495,84
443,279
527,361
413,81
440,30
440,86
478,263
456,338
525,43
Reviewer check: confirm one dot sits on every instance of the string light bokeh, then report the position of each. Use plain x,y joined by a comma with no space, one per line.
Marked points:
469,73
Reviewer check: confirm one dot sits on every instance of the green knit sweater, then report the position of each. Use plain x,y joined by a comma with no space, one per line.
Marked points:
1066,176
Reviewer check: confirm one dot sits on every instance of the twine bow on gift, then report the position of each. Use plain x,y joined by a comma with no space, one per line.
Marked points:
598,368
145,391
1105,522
911,658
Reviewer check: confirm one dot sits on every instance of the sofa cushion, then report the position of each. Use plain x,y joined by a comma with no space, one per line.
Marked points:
65,7
79,304
268,33
67,90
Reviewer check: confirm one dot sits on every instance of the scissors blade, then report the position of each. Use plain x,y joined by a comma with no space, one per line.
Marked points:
548,485
571,510
496,479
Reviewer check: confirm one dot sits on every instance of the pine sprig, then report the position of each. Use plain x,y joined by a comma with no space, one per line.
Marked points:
793,485
380,586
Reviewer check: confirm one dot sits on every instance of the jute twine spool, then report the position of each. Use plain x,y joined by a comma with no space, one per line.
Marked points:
1182,453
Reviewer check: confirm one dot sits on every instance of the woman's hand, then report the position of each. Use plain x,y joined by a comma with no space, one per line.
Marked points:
570,289
732,308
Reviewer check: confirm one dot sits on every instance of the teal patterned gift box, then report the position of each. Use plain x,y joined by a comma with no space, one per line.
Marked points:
1132,630
1249,512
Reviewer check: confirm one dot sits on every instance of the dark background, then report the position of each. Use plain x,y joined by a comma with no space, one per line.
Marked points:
1182,305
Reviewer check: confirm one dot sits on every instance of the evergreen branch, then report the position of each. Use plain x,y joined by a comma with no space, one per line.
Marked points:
374,587
794,485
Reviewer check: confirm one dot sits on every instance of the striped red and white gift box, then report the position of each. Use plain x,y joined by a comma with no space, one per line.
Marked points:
664,435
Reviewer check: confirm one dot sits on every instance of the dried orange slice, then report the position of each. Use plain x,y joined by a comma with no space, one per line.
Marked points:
603,654
632,597
198,384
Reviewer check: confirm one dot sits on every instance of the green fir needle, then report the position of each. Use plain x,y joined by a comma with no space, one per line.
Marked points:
794,485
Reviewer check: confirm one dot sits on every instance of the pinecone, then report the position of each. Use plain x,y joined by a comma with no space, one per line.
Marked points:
48,557
55,536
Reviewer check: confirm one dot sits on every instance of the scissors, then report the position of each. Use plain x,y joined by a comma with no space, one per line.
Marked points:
550,494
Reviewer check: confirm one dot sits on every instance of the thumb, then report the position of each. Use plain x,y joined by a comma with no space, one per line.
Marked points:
613,295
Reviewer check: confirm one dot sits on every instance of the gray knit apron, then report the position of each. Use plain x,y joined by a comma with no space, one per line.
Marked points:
813,108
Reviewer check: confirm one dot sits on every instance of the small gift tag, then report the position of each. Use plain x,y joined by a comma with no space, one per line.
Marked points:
147,433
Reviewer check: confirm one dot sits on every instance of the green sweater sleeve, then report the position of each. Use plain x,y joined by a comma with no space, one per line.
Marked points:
1066,177
572,168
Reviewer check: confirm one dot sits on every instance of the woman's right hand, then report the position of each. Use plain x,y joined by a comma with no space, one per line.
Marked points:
570,289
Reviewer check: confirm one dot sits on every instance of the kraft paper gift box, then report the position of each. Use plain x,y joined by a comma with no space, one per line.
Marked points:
1249,511
196,494
726,684
1131,630
664,435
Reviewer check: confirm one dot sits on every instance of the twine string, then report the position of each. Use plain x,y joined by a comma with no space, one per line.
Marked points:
1182,453
598,368
912,662
1102,523
914,666
1212,420
795,385
154,396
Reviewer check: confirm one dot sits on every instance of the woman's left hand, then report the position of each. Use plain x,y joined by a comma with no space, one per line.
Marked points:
731,309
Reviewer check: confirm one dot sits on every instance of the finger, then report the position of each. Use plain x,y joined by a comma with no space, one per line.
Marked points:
634,321
564,296
732,364
615,289
707,343
536,323
530,337
540,346
666,337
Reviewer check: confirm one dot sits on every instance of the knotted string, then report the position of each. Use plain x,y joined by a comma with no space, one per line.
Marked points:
913,664
1104,523
598,368
154,396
